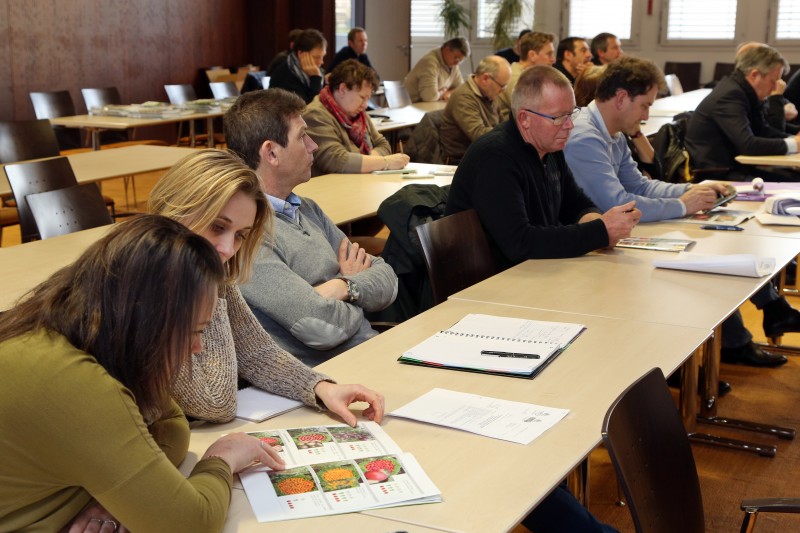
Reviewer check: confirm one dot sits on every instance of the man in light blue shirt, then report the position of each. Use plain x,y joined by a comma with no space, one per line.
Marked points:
598,154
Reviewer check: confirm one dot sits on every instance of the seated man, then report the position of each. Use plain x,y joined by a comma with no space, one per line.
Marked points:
310,286
301,71
730,121
471,110
436,74
606,48
511,54
517,180
598,155
572,57
356,49
536,49
338,123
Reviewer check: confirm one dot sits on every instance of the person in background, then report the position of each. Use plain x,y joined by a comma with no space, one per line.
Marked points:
572,57
301,73
731,121
517,180
91,439
536,49
356,49
281,56
213,193
472,109
512,54
436,75
310,285
338,123
606,47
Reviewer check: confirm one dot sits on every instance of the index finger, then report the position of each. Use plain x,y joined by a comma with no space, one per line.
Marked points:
270,457
375,409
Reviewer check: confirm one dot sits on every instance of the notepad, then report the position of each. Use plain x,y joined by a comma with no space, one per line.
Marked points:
459,347
258,405
747,265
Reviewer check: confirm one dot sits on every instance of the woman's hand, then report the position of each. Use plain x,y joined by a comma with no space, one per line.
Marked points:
337,398
308,64
94,519
397,161
240,450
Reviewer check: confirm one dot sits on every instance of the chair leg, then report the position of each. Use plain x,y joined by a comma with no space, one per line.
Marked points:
749,522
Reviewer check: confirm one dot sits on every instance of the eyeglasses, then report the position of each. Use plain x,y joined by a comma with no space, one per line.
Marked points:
502,87
560,119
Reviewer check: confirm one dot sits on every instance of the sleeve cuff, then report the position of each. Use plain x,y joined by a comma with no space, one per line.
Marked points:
791,145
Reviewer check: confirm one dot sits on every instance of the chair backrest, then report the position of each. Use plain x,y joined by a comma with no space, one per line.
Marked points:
94,97
723,69
265,81
689,73
180,93
68,210
216,72
57,104
457,253
673,84
396,94
36,177
27,139
648,445
224,89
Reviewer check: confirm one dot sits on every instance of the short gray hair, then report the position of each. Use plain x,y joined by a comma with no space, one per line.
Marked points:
531,84
762,58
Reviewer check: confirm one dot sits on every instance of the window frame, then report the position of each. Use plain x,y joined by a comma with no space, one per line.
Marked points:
472,37
772,29
663,41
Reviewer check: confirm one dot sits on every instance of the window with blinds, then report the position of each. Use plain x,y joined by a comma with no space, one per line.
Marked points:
587,18
787,24
425,19
487,11
709,20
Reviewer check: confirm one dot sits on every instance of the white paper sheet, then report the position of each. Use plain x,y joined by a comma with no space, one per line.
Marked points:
491,417
747,265
257,405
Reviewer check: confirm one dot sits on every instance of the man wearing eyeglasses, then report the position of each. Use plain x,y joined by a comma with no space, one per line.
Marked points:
517,180
436,75
472,111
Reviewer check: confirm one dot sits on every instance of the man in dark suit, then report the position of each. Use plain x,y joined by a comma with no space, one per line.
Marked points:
730,121
356,49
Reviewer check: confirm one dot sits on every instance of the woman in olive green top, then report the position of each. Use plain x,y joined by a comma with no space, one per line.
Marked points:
88,360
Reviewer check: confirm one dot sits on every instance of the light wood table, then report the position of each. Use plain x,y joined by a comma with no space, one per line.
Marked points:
792,160
118,162
475,472
404,117
97,123
672,105
348,197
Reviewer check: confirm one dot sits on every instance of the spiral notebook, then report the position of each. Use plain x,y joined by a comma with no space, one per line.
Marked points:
495,345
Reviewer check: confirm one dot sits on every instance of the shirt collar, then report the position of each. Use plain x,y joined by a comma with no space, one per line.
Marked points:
287,207
599,123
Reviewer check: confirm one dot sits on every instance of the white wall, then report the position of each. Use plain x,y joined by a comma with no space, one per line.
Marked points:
549,17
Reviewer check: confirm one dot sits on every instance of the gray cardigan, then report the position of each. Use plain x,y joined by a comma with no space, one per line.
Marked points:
282,296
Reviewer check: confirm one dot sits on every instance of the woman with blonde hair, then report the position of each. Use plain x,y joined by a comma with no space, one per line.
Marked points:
214,194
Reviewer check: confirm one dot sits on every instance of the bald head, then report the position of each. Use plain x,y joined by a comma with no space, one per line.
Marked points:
492,76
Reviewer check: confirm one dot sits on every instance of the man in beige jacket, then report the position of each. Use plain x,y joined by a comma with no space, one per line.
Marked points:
436,74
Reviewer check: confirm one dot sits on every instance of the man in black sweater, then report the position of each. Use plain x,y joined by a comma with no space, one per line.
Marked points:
356,49
517,180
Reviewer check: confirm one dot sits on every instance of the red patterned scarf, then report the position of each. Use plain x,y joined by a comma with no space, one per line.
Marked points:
356,127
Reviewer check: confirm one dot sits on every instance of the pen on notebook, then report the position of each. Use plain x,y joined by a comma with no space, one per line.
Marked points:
510,354
724,228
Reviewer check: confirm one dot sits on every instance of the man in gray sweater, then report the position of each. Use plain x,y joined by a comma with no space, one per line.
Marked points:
310,285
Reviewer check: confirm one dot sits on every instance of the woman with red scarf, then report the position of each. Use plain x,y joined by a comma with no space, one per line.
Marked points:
347,139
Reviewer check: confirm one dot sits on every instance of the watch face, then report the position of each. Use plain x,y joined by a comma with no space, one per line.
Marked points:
352,291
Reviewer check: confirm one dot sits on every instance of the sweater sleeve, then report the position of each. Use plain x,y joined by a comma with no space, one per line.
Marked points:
468,116
263,363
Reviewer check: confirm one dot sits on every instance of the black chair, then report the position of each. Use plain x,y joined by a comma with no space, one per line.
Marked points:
457,254
68,210
650,451
36,177
396,94
180,94
688,73
98,98
58,104
723,69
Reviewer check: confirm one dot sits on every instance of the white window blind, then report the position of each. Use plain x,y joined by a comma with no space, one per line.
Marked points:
425,19
487,11
788,23
706,20
587,18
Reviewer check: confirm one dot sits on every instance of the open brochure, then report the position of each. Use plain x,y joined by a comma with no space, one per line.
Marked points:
335,469
747,265
258,405
491,417
655,244
720,217
496,345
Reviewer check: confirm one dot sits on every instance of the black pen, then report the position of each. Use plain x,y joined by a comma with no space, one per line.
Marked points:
510,354
725,228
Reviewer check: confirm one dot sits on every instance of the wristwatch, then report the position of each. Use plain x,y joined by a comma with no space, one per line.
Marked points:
352,291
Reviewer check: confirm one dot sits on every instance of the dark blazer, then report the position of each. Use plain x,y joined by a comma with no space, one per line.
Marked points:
348,53
730,122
